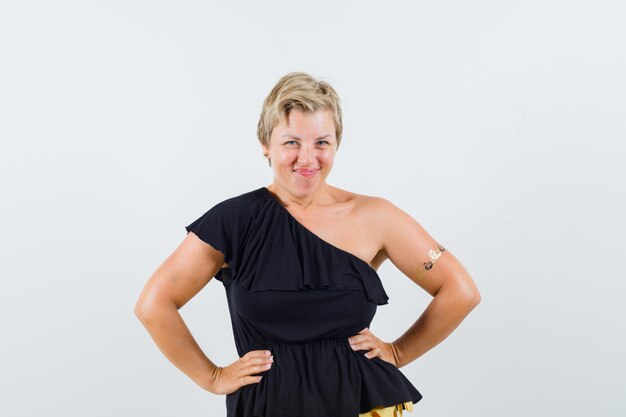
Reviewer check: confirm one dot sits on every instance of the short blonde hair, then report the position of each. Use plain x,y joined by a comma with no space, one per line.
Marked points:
298,90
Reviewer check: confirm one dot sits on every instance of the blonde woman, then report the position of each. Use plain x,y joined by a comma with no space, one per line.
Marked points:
298,259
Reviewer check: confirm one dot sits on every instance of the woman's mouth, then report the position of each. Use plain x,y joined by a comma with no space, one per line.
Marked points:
306,172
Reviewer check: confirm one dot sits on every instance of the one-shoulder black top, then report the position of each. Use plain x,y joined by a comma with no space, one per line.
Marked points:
293,293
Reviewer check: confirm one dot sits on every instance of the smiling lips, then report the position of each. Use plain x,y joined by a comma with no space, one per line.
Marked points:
306,172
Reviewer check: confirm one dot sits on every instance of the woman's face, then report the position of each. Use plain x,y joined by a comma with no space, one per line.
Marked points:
302,151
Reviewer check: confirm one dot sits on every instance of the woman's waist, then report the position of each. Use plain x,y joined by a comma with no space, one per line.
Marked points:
318,346
326,355
326,372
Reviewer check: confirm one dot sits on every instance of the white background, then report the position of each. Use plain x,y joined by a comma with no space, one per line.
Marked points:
498,125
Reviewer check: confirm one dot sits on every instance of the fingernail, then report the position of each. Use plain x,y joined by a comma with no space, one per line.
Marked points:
271,359
267,352
353,347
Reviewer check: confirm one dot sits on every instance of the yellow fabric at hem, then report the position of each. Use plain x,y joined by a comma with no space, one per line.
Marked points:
391,411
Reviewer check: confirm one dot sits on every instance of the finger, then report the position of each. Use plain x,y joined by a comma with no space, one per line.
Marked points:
257,354
374,352
252,366
255,357
354,340
256,365
362,339
251,371
255,369
363,344
256,360
247,380
366,330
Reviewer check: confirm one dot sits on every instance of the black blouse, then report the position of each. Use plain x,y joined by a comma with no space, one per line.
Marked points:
300,297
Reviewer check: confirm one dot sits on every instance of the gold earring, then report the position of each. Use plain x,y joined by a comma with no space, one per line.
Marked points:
268,159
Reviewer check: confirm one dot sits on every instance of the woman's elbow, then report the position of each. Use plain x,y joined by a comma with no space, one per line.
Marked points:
149,307
465,291
474,298
141,311
471,294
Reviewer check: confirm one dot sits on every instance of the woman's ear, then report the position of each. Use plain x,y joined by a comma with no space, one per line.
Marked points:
266,154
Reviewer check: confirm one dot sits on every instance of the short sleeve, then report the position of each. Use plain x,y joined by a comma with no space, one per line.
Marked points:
223,227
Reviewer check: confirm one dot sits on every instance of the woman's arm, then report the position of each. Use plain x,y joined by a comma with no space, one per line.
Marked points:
414,252
181,276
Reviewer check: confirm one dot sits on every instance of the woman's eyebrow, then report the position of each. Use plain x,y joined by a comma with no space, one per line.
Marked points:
295,137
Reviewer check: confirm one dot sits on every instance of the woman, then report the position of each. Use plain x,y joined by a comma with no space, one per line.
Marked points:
298,260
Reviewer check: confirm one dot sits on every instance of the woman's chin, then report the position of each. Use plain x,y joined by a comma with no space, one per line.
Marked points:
306,185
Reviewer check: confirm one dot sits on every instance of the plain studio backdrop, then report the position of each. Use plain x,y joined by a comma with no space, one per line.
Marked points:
498,125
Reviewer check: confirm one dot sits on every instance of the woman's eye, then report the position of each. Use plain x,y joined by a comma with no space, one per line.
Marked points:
291,142
323,142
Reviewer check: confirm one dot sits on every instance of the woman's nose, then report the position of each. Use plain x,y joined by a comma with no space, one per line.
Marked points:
305,154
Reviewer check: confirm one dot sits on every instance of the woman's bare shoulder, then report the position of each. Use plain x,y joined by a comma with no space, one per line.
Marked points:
371,211
368,205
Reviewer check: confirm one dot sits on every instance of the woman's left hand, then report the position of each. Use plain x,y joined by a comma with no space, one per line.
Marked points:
366,340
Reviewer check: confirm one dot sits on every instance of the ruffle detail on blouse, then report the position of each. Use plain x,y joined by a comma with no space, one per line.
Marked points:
316,372
306,262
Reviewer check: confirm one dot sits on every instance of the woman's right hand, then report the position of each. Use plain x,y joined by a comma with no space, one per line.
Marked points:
229,379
